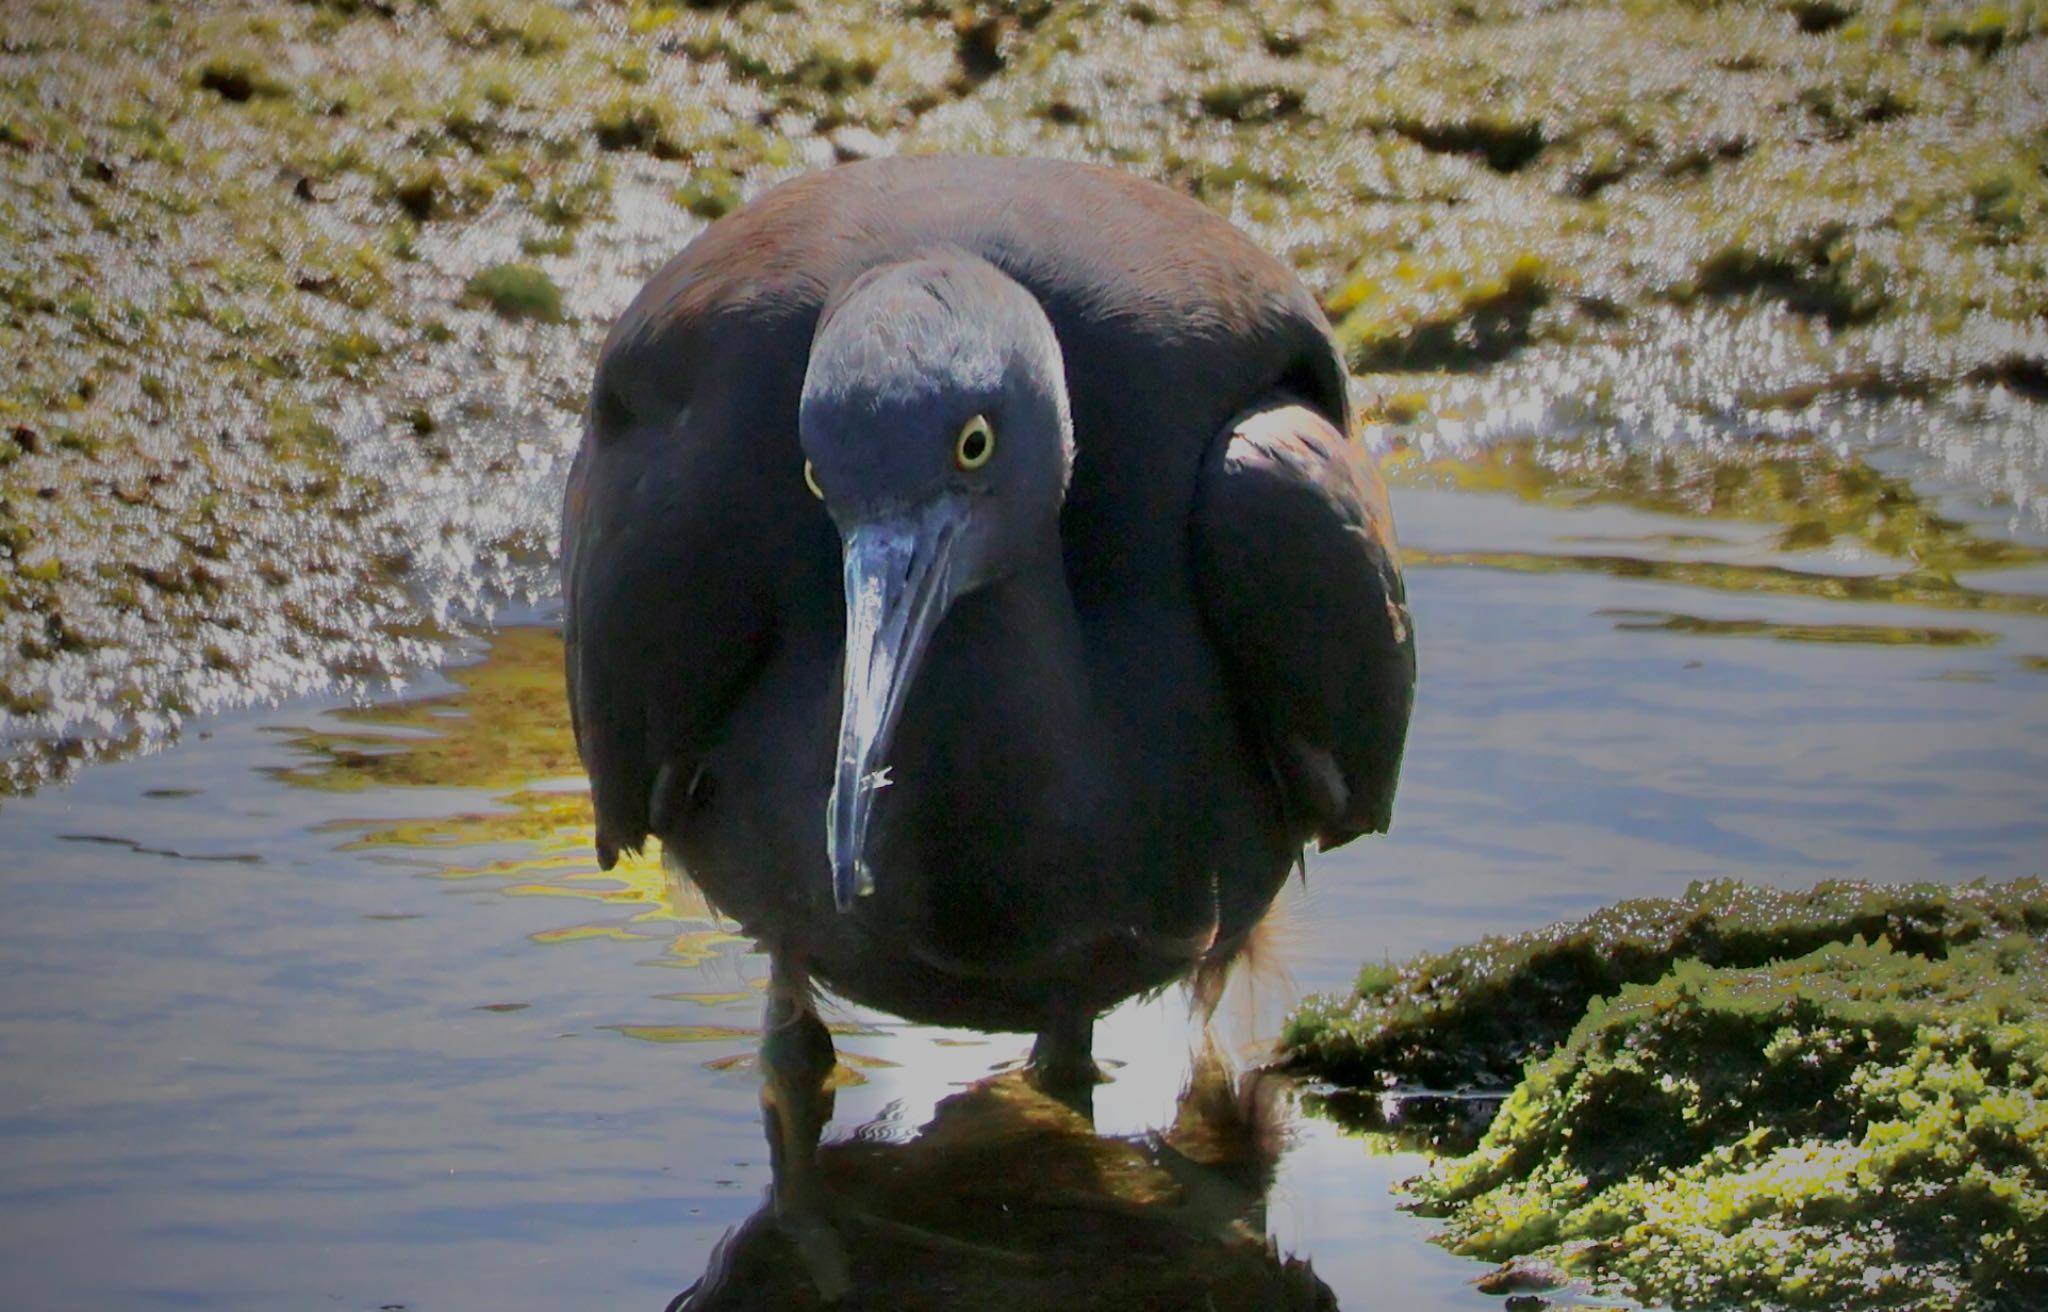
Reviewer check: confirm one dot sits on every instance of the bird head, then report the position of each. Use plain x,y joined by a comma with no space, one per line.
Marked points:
935,428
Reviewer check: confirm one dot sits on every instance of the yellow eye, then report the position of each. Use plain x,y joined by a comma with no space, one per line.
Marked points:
976,443
811,481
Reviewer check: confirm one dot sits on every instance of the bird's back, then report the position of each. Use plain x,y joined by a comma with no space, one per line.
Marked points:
1161,307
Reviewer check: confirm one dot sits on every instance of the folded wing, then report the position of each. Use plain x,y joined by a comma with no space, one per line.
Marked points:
1300,584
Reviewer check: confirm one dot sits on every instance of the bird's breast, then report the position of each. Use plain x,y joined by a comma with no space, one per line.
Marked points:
1065,802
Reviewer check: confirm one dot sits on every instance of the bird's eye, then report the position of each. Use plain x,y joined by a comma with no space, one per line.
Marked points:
976,443
811,480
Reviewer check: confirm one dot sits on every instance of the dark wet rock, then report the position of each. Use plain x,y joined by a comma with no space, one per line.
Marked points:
239,78
1505,145
1811,276
420,190
1817,16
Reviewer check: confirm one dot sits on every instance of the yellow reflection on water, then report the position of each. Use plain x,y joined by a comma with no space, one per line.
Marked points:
505,726
1913,588
1815,495
504,731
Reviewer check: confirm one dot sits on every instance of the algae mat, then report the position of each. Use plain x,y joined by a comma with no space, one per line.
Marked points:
1739,1098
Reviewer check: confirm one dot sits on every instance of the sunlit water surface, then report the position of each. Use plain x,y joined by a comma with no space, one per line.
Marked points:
330,1007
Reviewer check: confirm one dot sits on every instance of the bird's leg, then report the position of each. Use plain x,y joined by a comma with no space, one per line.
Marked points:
796,1061
1063,1063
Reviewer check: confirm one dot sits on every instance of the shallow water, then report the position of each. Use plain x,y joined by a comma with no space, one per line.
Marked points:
327,1006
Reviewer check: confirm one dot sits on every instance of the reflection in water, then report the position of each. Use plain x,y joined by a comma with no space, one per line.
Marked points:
1400,1120
503,728
1810,493
1926,635
1909,589
1008,1198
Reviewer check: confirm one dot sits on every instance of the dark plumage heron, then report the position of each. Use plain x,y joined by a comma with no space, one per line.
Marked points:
971,582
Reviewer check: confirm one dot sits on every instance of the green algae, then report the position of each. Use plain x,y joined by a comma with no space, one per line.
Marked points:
1861,1126
517,291
637,122
1740,1098
1471,1017
710,193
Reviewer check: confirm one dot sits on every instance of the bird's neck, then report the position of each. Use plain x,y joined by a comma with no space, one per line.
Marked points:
1005,686
1027,640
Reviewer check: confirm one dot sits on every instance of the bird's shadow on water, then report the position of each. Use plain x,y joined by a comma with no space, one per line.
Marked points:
1008,1198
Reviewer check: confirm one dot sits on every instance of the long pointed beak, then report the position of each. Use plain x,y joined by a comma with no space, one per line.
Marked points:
898,585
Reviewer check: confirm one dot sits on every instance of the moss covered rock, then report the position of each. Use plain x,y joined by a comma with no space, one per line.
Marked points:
517,291
1862,1126
1471,1017
1741,1098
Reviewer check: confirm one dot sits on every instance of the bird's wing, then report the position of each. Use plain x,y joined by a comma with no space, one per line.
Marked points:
661,631
1300,585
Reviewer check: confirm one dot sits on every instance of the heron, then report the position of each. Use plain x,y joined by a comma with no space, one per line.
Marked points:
972,579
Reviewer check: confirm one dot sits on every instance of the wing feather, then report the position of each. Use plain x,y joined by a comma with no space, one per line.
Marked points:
1300,584
662,627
